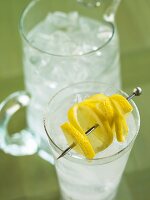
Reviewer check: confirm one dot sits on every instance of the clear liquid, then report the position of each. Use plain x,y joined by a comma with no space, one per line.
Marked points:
98,182
86,180
67,34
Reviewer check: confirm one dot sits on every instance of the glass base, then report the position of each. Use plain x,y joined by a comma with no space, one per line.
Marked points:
110,197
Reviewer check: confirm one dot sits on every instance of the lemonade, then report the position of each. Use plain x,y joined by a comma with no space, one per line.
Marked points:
81,178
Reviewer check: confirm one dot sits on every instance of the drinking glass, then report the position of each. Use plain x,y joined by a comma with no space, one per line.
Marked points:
80,178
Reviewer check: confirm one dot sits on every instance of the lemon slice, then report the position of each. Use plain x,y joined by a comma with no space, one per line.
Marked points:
121,127
108,112
104,111
83,117
103,107
124,105
74,136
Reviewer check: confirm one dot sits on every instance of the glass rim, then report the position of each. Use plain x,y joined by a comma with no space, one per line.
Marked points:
105,159
24,35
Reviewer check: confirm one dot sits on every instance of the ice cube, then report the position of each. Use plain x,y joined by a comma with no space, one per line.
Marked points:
60,20
73,20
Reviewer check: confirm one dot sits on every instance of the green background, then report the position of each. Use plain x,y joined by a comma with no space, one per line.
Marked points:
31,178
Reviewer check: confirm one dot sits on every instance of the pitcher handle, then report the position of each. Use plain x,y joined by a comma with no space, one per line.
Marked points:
24,142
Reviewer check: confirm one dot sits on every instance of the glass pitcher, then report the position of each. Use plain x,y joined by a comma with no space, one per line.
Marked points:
64,42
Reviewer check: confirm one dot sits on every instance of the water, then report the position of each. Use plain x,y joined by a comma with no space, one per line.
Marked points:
98,182
67,34
87,180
